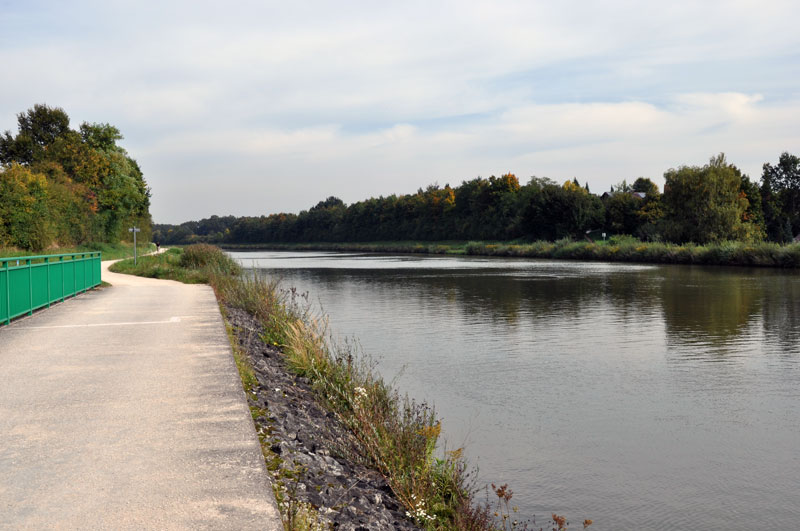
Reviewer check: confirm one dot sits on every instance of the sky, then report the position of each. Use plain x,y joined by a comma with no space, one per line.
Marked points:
252,108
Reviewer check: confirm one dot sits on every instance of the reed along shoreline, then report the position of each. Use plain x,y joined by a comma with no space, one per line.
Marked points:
616,249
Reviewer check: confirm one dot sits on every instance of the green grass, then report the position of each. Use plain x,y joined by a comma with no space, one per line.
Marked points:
628,249
111,251
192,265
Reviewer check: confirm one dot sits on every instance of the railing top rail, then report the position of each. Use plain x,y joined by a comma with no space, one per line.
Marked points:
90,254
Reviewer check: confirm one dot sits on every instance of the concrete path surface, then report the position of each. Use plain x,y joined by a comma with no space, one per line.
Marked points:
122,409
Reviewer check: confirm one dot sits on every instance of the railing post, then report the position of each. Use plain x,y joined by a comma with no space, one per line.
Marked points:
8,293
61,265
30,286
47,261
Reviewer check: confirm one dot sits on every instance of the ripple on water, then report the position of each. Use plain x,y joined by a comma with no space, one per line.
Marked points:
643,397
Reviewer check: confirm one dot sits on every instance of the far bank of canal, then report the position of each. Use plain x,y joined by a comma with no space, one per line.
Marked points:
641,396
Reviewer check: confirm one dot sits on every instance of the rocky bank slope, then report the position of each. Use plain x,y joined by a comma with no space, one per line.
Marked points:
309,450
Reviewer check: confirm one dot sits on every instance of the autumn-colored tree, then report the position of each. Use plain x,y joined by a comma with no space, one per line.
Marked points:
91,189
24,212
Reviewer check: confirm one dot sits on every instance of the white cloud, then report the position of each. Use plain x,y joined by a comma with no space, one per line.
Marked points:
297,101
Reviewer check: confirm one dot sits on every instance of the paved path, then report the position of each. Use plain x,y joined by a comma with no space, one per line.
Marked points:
122,409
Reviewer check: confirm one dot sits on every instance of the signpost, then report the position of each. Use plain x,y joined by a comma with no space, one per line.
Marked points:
134,230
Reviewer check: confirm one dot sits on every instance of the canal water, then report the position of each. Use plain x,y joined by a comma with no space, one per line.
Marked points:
640,396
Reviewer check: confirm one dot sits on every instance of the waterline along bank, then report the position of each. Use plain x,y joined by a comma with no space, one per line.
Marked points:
389,441
615,249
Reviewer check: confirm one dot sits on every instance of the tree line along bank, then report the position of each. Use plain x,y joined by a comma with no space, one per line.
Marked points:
700,204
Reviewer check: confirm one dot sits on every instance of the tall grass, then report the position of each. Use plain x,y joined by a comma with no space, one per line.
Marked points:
628,249
395,434
193,265
208,257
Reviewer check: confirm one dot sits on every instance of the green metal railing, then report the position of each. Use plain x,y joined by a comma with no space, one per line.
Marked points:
28,283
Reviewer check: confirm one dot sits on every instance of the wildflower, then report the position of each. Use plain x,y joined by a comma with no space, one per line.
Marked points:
418,512
360,395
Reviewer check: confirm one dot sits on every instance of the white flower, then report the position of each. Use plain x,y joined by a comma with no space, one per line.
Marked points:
361,395
419,514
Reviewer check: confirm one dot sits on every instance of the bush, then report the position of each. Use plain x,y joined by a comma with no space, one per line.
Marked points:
205,256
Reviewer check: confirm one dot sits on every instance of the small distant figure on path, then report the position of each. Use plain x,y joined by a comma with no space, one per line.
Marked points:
158,247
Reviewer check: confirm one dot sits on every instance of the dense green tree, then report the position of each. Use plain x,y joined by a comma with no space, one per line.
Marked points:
24,220
487,208
755,212
645,186
39,128
780,194
776,223
622,213
551,211
102,137
71,214
706,204
93,189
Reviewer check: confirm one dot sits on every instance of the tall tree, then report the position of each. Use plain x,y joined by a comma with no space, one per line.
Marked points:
622,213
780,192
103,137
705,204
645,185
24,220
39,128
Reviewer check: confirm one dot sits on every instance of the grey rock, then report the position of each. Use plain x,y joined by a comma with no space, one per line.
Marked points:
313,446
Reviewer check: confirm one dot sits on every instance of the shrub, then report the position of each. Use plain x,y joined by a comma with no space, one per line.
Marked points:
205,256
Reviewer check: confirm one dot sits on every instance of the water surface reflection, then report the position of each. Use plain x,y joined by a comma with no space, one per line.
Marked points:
647,397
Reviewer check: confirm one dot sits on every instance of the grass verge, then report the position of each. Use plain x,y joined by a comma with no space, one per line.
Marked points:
628,249
111,251
396,435
616,249
193,265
